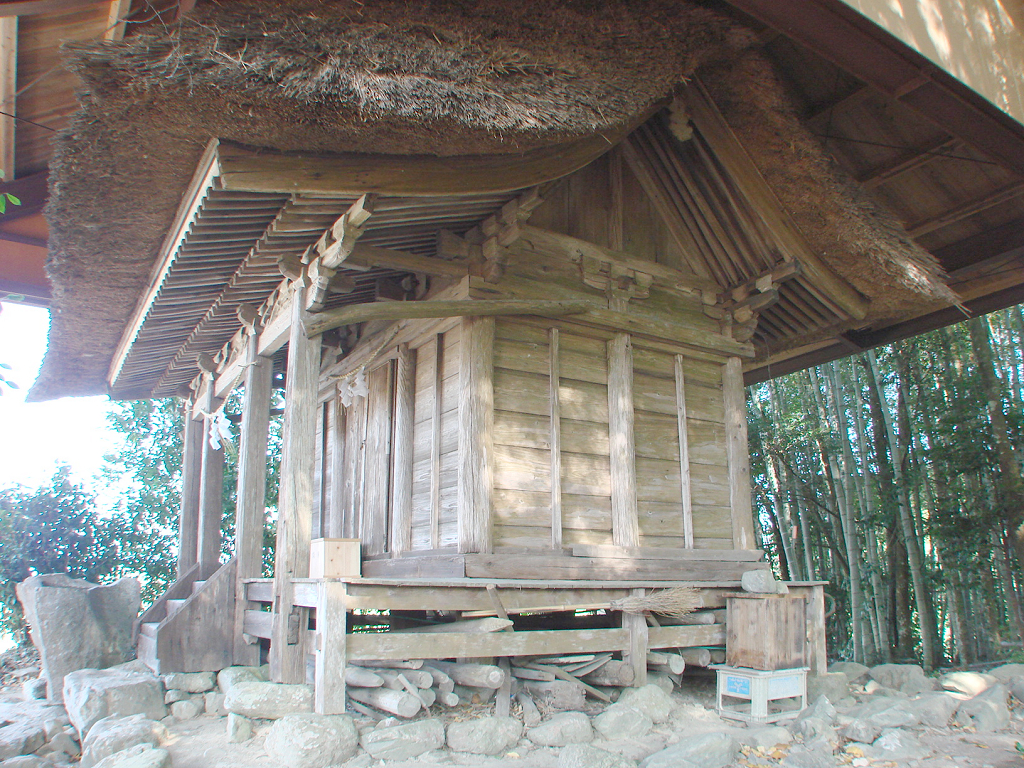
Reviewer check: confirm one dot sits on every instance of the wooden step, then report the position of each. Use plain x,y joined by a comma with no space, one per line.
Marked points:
174,605
197,585
146,651
149,628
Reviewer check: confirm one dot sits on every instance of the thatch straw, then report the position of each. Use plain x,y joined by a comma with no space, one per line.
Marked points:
858,238
392,76
675,602
436,77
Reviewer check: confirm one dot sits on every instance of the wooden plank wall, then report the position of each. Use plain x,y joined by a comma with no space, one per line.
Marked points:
436,441
523,431
605,204
522,437
354,464
543,399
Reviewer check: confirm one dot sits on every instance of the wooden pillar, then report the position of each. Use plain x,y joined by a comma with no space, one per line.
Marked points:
211,487
295,498
625,521
401,476
738,455
191,471
330,649
250,514
636,653
476,434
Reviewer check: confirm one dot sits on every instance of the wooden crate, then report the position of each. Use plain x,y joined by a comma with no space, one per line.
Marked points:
333,558
766,632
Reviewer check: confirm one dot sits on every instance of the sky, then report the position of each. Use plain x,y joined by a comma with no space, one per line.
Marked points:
35,438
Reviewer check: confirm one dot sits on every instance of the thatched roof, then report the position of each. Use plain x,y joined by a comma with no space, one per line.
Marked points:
396,77
863,242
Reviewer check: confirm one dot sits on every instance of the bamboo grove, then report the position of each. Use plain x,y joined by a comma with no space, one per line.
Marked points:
894,476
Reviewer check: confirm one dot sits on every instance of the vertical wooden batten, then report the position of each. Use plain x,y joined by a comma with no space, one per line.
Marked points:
336,425
476,434
555,437
737,454
295,505
211,487
377,474
625,520
435,443
250,515
401,476
684,454
191,472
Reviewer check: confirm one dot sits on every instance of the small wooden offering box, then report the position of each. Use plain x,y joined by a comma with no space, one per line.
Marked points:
766,632
334,558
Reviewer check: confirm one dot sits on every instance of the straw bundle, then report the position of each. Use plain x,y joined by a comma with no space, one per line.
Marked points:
676,602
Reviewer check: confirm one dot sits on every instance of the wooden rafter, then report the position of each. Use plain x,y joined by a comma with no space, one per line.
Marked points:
825,113
116,16
250,170
839,33
36,7
404,310
8,91
966,210
909,161
748,178
13,237
996,242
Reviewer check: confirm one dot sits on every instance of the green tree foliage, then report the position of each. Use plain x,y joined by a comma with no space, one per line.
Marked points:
147,471
55,529
912,444
61,529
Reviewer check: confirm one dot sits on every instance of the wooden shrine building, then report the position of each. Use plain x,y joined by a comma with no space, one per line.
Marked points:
504,268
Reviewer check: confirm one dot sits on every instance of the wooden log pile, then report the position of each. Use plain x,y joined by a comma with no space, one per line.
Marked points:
403,688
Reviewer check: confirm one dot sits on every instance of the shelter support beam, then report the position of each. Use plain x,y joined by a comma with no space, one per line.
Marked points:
250,516
295,510
211,487
191,470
